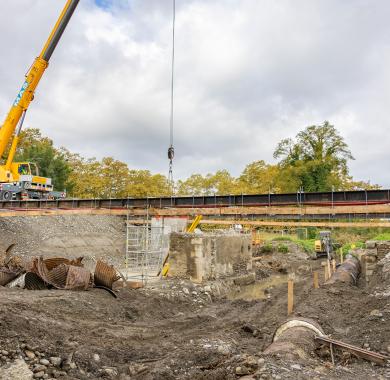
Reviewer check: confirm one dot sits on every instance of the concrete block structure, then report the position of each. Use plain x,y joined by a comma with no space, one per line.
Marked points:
209,256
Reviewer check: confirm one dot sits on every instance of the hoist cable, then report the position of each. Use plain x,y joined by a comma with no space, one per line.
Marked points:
171,151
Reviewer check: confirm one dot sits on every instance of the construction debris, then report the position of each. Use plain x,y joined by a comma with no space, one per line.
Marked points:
294,339
105,275
357,351
57,272
10,266
348,271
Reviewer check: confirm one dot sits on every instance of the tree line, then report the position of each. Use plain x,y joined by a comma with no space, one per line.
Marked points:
315,160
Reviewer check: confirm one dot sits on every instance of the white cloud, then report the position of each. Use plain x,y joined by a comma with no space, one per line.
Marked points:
248,73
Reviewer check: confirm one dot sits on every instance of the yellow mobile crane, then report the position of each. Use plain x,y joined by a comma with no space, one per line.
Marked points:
21,179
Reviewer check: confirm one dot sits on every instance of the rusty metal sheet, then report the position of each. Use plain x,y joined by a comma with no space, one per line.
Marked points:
33,282
6,276
62,275
53,262
57,276
105,275
78,278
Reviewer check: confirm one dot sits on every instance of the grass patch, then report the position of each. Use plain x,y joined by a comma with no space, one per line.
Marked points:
307,245
267,248
347,247
282,248
382,236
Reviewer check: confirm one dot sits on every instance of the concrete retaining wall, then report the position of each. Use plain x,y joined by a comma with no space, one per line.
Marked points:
209,257
369,257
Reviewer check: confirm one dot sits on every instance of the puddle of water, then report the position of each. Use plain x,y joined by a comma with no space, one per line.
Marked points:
257,291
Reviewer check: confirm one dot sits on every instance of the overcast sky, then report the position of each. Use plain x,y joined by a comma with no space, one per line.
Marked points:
248,73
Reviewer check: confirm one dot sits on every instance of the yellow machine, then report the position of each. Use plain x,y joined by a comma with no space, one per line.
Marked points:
324,246
21,179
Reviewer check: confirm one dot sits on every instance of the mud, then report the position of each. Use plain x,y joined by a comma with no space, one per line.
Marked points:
178,330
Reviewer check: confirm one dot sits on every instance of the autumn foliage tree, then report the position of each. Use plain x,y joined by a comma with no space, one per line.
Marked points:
317,160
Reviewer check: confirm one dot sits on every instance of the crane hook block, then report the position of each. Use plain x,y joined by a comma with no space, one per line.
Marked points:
171,153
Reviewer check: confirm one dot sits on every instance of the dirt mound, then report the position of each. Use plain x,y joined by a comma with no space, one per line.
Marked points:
96,236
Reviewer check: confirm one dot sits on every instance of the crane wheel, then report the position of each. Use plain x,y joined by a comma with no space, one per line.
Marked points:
7,196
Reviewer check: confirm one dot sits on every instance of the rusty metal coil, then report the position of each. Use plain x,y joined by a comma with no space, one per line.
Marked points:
105,275
53,262
57,276
6,276
33,282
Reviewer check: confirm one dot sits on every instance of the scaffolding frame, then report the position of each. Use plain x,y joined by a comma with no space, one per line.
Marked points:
146,248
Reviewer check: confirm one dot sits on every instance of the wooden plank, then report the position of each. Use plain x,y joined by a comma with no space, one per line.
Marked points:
290,296
260,223
271,211
315,280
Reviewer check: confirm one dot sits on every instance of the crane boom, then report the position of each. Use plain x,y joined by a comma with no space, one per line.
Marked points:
34,75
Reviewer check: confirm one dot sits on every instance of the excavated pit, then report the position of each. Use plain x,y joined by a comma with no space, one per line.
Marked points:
178,329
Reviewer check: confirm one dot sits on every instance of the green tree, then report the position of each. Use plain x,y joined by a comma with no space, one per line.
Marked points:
52,163
259,178
317,158
196,184
142,183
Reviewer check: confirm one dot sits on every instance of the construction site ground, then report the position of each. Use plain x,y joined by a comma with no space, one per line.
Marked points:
174,329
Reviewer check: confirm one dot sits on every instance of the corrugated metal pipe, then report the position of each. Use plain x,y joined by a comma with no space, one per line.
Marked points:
348,271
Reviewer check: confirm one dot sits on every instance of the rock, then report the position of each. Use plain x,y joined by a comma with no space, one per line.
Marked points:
388,348
18,370
44,362
39,368
296,367
96,357
186,291
242,370
29,354
38,375
111,372
251,362
4,352
223,349
56,361
58,374
207,289
376,313
370,244
366,345
260,361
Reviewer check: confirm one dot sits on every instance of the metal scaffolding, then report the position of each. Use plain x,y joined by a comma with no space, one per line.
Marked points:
146,248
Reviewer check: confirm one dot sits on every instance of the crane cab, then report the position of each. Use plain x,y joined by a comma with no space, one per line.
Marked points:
27,173
23,178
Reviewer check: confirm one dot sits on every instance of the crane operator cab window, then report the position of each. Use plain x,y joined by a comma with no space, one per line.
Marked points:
28,169
24,169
